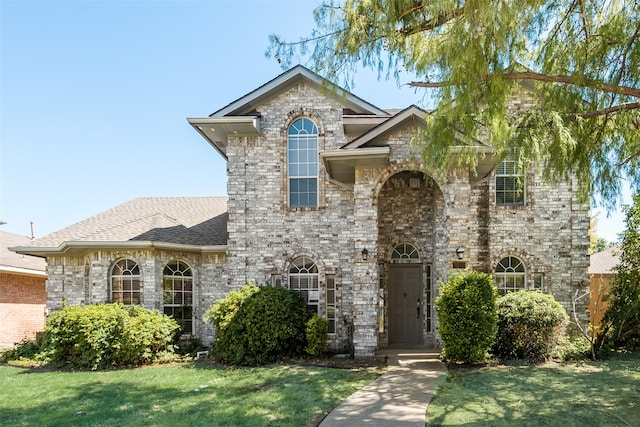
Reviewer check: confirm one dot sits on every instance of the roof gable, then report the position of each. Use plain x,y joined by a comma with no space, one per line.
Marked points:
412,114
247,104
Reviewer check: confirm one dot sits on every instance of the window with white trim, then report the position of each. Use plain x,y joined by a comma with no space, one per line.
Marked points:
510,183
303,277
177,291
125,282
302,158
510,275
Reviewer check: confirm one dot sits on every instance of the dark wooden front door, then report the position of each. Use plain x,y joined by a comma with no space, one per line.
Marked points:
405,304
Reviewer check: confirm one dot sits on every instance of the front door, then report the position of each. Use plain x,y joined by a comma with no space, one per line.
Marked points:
405,304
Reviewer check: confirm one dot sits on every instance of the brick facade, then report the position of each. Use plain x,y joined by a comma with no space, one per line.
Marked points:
388,206
86,280
22,307
388,203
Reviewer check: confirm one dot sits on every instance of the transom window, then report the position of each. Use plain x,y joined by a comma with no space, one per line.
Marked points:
303,277
405,252
177,288
509,183
302,154
125,282
510,275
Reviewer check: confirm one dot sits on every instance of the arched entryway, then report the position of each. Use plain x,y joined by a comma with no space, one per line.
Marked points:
410,225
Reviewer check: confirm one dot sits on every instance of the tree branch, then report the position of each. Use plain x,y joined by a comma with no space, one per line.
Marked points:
440,20
530,75
613,109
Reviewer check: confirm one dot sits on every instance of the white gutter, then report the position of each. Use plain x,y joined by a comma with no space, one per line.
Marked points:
22,271
67,247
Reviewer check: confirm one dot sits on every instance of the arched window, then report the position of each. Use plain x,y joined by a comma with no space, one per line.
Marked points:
302,155
125,282
303,277
510,275
177,287
510,184
405,252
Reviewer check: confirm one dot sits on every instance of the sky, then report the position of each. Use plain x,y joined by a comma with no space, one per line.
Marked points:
94,97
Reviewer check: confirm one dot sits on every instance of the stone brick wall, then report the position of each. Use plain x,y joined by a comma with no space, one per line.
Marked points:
22,307
549,233
265,235
402,202
85,280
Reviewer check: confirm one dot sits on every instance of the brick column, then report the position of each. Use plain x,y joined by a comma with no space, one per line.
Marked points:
365,272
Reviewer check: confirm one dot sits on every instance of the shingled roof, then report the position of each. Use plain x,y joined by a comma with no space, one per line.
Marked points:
191,221
17,263
604,261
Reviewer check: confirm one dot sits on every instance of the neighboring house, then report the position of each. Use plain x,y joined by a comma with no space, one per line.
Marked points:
601,270
22,292
326,196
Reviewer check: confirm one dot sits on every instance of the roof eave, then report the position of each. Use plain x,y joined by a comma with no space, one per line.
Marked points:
75,248
341,164
216,130
22,271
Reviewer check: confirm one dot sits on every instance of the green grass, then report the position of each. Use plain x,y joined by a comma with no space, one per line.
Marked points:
605,393
171,395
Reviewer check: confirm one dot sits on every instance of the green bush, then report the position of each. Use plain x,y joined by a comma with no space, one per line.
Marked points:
25,349
572,348
467,313
259,325
106,335
317,328
530,325
222,313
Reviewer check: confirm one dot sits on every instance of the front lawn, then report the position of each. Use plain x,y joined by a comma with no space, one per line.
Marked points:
604,393
180,394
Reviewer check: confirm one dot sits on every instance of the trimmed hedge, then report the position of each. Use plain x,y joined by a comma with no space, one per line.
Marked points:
467,314
108,335
530,325
257,325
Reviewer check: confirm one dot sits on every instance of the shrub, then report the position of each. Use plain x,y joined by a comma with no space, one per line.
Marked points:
530,325
106,335
222,313
572,348
467,312
25,349
259,325
317,336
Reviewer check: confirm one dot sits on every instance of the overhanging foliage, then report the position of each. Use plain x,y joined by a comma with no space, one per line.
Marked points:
581,58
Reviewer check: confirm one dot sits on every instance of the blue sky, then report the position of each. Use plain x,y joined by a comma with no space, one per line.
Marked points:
94,97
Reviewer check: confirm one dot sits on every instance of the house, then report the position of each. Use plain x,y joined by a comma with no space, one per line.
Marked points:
601,270
326,196
22,292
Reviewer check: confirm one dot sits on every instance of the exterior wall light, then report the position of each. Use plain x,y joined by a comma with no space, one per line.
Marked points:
460,252
365,254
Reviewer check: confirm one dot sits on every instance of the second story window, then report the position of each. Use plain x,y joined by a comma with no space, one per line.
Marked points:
302,155
509,183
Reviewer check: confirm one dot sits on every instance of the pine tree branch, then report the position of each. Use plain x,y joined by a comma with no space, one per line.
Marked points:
530,75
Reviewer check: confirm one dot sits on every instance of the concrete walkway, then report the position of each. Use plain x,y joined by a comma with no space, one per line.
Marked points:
398,398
